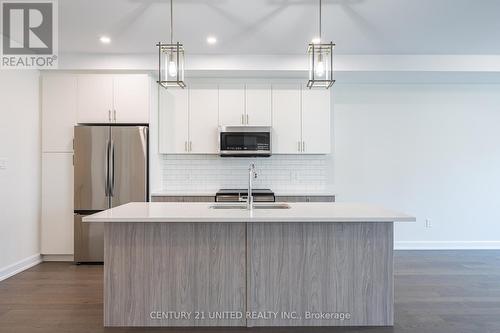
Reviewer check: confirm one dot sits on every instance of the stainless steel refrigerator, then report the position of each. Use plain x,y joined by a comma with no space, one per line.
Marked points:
111,169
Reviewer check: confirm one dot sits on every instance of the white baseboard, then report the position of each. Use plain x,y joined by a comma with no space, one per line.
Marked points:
443,245
57,257
19,266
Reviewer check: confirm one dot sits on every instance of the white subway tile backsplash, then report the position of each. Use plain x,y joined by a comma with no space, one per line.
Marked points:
190,173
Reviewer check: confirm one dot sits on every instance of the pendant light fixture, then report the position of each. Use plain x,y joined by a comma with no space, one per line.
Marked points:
320,61
171,59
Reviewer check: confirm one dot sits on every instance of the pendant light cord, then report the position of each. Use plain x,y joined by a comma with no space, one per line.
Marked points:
172,21
320,20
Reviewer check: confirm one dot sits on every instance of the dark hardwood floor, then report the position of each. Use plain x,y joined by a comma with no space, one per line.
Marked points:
435,292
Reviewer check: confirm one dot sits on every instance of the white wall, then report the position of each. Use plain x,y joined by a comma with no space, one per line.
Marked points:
428,150
20,145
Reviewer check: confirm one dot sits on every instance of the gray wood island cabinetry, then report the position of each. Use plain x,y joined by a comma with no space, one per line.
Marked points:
187,264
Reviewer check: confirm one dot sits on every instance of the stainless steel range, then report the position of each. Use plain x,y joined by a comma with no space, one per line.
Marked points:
240,195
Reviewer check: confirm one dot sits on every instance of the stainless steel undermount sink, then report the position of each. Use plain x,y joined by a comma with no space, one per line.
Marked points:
255,206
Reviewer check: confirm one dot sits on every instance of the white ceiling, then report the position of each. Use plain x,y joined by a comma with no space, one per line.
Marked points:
283,26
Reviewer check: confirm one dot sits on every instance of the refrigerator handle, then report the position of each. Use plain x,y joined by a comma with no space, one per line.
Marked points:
106,168
112,169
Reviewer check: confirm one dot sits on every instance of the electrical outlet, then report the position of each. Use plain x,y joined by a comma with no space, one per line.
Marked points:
428,223
3,164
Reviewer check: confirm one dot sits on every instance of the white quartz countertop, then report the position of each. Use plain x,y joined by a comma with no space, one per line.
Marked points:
212,193
201,212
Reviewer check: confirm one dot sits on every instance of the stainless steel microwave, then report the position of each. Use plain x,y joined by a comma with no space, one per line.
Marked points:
245,141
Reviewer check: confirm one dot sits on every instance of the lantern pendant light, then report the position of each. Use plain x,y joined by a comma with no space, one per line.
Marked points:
320,61
171,59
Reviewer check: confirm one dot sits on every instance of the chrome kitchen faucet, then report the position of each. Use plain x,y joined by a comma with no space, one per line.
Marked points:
251,175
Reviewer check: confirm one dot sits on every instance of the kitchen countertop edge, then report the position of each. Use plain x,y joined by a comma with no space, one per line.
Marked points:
212,194
146,212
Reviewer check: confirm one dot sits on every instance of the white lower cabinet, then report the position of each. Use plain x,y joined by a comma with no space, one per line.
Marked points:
57,203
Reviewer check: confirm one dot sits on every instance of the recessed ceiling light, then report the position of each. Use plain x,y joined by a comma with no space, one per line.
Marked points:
316,40
211,40
105,39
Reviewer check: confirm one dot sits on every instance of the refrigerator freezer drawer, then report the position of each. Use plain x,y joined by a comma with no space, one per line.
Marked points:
89,241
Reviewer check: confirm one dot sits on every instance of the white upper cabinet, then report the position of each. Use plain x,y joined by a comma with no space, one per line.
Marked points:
189,120
315,121
59,95
300,117
258,104
231,104
241,104
301,120
122,99
131,99
95,99
203,118
174,121
286,133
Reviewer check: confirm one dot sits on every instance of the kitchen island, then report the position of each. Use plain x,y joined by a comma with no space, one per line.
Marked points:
190,264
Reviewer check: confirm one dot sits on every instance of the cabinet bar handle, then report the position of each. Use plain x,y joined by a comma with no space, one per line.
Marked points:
109,115
190,146
303,146
185,146
243,119
247,120
114,114
298,145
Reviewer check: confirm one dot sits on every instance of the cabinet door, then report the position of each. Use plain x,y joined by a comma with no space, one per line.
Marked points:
173,121
57,203
203,119
59,95
258,104
286,119
95,99
231,104
316,121
131,99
